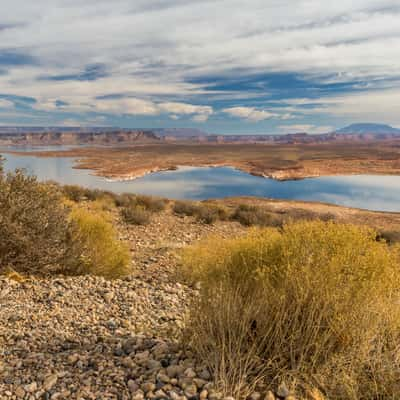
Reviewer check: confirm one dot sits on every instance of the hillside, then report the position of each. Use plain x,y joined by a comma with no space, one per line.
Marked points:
87,337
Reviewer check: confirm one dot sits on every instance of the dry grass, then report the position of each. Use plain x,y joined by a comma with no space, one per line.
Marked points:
315,304
103,253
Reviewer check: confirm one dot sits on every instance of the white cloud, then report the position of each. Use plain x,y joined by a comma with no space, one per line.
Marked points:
6,103
150,64
307,128
249,113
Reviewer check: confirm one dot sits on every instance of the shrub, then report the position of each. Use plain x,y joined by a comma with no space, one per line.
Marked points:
210,213
78,193
314,304
390,237
124,200
188,208
135,215
152,204
36,235
253,215
149,203
103,253
74,192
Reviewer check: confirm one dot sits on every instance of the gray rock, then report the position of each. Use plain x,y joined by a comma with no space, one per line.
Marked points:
283,390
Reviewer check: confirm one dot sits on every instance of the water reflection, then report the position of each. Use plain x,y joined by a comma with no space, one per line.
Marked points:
366,191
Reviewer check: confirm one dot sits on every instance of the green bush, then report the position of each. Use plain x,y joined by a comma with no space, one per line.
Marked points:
35,232
103,253
253,215
314,304
135,215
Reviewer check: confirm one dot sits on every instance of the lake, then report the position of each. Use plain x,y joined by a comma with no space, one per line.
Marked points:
371,192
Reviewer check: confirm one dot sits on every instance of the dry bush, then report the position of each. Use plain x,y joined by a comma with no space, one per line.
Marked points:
210,213
390,237
135,215
35,232
188,208
124,200
149,203
103,253
78,193
152,204
204,212
253,215
315,304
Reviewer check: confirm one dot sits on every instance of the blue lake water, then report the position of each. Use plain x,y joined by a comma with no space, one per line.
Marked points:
363,191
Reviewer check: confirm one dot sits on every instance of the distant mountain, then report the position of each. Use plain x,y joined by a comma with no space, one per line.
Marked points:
57,137
365,129
179,132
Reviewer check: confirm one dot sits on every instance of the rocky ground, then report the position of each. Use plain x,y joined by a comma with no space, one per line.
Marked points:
89,338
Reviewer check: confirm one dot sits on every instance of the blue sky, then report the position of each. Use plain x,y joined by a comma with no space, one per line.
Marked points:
224,66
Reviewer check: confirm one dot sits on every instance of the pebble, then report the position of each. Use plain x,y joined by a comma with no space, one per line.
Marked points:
49,382
283,391
269,396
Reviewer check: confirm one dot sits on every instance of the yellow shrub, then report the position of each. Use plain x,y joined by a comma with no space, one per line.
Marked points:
314,303
104,254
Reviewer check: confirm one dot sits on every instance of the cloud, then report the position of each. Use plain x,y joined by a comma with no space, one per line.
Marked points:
10,57
301,128
249,113
78,53
4,103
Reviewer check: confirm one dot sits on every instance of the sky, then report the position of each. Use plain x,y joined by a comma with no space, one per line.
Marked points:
223,66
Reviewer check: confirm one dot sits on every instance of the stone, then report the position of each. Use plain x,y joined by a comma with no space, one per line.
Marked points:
283,391
138,395
174,370
190,373
73,358
49,382
128,346
173,395
203,394
108,297
269,396
160,394
132,386
20,392
204,374
148,387
190,391
31,387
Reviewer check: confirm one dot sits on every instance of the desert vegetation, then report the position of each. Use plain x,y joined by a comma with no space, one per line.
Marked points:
312,307
44,234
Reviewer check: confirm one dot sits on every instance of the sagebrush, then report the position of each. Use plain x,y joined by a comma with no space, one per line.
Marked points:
36,233
313,304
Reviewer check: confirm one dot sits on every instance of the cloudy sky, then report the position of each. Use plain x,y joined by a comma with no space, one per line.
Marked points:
225,66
